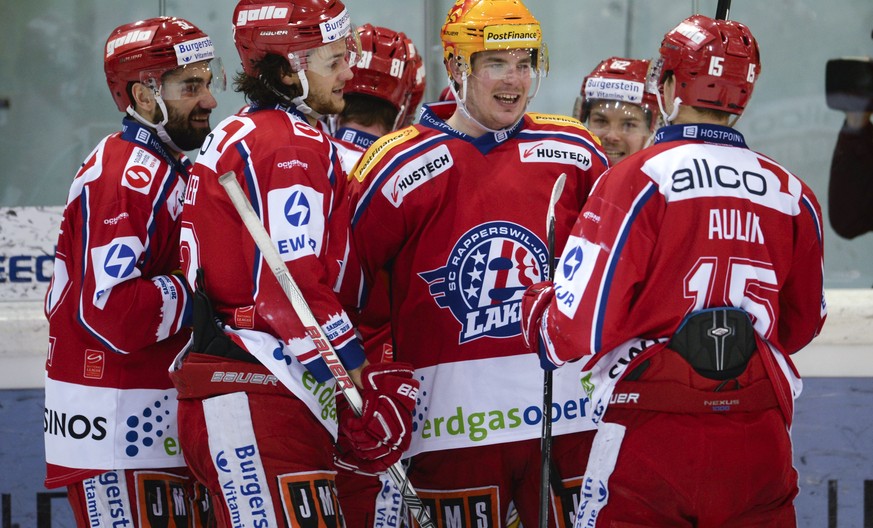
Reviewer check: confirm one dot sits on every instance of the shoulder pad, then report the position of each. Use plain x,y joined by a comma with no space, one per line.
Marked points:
556,119
381,147
561,120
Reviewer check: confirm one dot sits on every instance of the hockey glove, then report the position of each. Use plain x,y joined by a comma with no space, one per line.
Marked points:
534,307
376,440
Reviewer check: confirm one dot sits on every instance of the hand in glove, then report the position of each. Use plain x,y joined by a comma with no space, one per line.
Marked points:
374,441
534,308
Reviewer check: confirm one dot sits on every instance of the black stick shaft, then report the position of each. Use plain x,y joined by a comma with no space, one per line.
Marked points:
546,439
723,10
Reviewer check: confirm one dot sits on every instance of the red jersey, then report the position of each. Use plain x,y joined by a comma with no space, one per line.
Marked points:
459,223
115,313
696,221
293,177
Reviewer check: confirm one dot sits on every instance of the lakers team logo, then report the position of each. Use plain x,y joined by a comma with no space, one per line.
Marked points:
485,277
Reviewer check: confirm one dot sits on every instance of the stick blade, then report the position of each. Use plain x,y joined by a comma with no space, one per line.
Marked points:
557,189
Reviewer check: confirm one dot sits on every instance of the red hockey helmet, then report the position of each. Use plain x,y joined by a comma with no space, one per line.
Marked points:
715,63
287,29
617,79
385,66
149,49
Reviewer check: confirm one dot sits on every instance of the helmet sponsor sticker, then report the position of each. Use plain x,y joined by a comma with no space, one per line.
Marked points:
336,28
296,221
268,15
614,90
485,276
417,172
694,34
140,171
504,36
194,51
134,38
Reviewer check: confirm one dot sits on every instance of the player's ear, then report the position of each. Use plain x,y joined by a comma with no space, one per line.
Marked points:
143,98
456,69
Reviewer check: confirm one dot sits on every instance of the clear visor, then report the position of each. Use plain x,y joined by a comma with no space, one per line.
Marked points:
188,82
653,75
331,58
617,118
525,65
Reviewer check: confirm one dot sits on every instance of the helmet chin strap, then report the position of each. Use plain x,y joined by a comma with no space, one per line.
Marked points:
300,102
158,127
677,102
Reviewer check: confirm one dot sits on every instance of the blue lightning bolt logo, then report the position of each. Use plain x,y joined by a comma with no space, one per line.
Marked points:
120,261
572,262
297,209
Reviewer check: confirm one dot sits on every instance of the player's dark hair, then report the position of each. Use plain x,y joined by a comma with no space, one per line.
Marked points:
368,110
262,90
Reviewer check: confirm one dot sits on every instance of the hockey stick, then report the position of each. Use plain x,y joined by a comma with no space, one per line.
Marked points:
546,439
325,349
723,10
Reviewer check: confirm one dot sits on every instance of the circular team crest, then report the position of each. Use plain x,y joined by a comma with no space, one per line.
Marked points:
485,276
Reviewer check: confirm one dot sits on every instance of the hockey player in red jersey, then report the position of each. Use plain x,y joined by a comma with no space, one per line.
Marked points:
380,95
617,106
378,99
257,411
454,209
117,311
691,276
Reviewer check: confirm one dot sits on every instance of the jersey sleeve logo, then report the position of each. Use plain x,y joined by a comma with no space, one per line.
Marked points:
302,129
486,275
297,224
119,261
112,264
574,273
175,200
140,171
